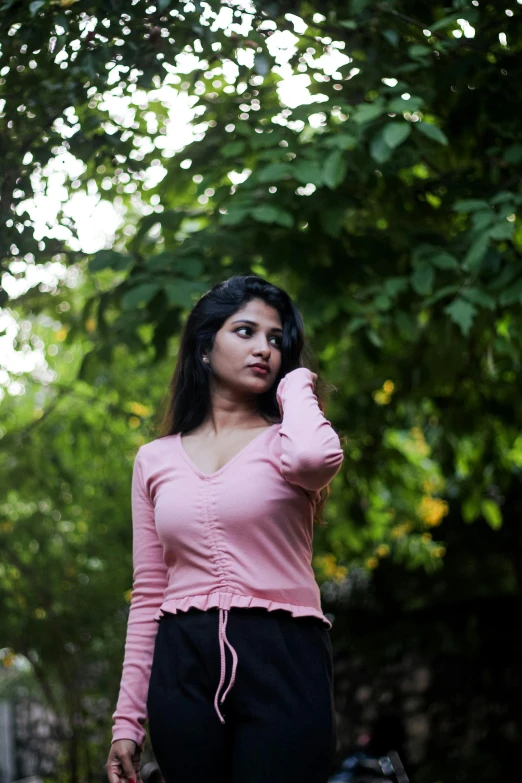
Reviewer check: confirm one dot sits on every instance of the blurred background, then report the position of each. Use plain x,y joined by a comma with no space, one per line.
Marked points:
366,156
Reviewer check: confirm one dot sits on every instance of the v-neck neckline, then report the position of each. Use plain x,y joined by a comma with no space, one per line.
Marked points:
224,467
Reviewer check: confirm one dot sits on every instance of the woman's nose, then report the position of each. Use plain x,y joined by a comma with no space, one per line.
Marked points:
263,347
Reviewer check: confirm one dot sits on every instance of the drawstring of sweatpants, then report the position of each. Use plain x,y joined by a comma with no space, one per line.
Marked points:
223,617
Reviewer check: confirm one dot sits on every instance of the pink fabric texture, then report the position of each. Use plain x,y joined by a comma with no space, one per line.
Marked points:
239,537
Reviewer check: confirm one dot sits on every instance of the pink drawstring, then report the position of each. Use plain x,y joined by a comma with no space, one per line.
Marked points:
223,617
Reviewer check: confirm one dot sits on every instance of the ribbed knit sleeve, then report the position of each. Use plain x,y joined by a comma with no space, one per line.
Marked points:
311,450
149,584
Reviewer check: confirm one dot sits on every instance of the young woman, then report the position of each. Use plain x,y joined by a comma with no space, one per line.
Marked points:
228,653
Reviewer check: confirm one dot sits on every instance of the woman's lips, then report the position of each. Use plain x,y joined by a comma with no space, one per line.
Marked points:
259,370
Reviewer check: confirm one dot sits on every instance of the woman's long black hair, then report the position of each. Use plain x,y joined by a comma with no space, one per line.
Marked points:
189,399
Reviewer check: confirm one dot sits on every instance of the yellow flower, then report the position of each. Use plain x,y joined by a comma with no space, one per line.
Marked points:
8,658
388,387
439,551
127,595
420,443
381,398
372,563
401,530
432,510
382,550
139,409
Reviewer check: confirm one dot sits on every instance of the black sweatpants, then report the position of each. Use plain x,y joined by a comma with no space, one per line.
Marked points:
279,715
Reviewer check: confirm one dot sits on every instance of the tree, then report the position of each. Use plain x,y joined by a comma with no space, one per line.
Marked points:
387,206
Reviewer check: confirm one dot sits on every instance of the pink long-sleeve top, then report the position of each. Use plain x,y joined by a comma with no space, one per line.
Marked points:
241,536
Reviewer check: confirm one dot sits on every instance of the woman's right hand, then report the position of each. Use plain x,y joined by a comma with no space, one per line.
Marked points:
123,763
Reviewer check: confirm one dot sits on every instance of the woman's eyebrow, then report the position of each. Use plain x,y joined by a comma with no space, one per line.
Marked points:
254,323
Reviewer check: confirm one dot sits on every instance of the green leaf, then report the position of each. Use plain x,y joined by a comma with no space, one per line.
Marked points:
334,169
513,154
165,260
432,132
395,285
379,150
506,276
394,133
366,112
179,292
308,171
356,6
35,6
479,297
471,508
267,213
190,267
344,141
234,216
408,67
462,313
348,24
163,4
491,513
140,294
422,278
392,37
405,324
423,251
482,218
382,302
274,172
504,230
169,260
442,293
511,295
374,338
418,50
444,22
503,197
232,149
400,105
476,252
356,323
443,260
470,205
110,259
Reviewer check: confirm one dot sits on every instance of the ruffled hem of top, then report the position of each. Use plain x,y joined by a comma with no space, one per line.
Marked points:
226,600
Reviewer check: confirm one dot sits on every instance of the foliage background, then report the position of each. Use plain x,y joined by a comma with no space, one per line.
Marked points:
386,202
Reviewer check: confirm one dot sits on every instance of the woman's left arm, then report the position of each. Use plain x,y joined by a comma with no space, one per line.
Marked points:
311,450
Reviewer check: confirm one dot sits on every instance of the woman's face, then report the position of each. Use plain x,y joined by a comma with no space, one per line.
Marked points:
250,336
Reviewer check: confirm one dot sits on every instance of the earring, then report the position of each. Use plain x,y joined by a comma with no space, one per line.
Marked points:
205,359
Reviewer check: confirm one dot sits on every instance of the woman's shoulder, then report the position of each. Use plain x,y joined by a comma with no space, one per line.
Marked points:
155,447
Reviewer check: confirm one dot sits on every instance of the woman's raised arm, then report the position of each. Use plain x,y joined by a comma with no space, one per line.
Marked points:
311,450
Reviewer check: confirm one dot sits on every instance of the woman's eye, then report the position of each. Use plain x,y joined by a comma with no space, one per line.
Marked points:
247,329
